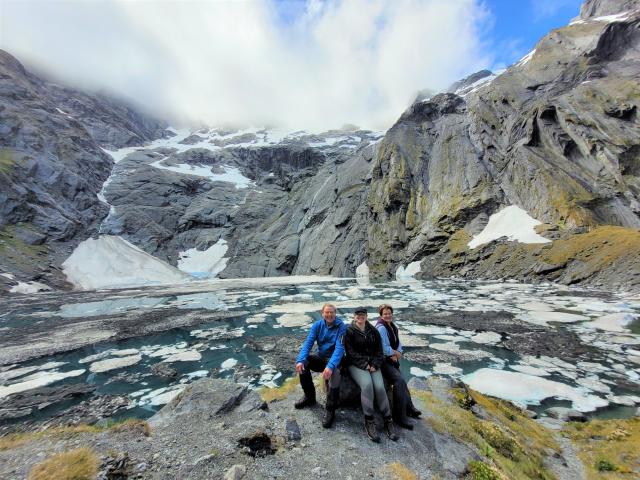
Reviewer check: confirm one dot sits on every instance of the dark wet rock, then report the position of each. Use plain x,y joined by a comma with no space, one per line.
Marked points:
164,370
25,403
52,167
293,430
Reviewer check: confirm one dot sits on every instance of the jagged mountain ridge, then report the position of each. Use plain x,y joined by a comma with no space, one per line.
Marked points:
556,134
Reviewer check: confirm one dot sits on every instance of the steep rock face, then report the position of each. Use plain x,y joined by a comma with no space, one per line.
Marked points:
556,134
51,168
301,214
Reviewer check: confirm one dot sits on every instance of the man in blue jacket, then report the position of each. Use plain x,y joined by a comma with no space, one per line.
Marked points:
328,333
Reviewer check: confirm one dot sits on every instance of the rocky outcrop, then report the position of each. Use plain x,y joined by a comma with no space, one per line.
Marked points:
52,166
556,134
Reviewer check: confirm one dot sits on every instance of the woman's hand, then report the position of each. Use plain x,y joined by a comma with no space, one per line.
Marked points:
371,368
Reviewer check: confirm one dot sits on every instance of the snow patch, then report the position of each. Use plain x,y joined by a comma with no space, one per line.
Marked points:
403,273
230,174
29,287
112,262
204,263
511,222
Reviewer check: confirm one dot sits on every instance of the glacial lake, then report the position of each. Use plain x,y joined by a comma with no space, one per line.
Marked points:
484,333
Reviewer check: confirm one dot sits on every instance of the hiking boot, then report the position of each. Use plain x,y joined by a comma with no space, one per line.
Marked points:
329,417
404,423
305,402
370,428
414,412
389,430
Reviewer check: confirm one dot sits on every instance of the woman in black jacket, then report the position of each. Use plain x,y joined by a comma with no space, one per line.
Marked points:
364,358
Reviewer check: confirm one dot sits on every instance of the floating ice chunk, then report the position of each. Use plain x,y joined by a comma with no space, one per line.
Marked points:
316,306
446,369
296,298
12,373
409,340
229,363
614,322
593,383
511,222
112,262
353,292
529,370
196,374
487,338
403,273
161,396
526,390
294,320
257,318
429,329
113,363
39,380
218,332
627,400
418,372
537,307
108,353
446,347
543,318
204,263
186,356
451,338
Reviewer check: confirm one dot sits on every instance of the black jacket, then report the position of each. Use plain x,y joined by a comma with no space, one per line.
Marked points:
363,348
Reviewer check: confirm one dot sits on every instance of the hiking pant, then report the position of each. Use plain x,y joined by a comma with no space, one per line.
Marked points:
371,385
401,396
318,364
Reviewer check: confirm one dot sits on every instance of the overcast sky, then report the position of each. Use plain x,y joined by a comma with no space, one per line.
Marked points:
301,64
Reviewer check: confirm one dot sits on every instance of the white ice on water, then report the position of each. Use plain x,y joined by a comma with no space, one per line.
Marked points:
40,379
114,363
524,389
511,222
112,262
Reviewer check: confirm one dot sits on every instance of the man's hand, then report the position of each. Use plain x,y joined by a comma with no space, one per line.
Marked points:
326,373
371,368
397,355
299,368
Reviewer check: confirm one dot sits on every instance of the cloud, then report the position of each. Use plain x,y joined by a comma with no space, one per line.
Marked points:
254,62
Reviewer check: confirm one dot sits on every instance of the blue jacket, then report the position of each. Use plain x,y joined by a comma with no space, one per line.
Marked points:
329,342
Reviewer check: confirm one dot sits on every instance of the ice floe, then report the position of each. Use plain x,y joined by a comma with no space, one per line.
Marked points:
446,369
511,222
161,396
228,364
40,380
185,356
613,322
419,372
114,363
543,318
524,389
294,320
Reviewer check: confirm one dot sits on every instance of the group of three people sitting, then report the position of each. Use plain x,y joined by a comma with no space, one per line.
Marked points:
369,354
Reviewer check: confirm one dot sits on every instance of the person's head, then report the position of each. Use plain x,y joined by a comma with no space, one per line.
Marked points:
386,312
328,313
360,315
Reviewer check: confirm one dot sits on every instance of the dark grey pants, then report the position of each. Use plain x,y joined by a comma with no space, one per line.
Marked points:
371,387
316,363
401,397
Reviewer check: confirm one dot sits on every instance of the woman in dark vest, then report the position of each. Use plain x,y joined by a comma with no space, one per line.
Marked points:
392,350
363,358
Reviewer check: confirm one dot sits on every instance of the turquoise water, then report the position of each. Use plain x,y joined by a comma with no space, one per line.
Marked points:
613,369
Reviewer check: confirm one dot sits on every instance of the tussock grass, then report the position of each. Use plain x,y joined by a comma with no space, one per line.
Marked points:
283,391
513,444
78,464
14,440
608,448
399,472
